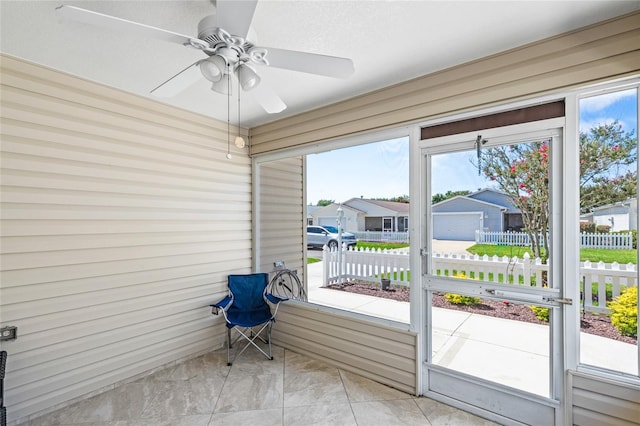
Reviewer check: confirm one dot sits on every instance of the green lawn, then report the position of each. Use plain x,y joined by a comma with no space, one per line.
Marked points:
593,255
382,246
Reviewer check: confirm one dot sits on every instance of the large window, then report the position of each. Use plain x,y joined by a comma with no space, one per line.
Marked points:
359,194
608,276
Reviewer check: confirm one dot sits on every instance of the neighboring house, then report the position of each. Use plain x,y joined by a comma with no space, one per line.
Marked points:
386,216
621,216
310,210
328,215
459,217
361,214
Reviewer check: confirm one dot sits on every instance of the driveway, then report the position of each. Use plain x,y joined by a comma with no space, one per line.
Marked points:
315,253
451,246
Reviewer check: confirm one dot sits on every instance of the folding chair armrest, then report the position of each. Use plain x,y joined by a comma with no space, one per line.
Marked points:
275,299
222,304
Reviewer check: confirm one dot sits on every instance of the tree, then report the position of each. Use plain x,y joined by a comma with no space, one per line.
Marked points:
323,203
437,198
399,199
606,152
522,172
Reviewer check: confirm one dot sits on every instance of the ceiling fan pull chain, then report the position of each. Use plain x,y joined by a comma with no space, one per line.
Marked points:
228,114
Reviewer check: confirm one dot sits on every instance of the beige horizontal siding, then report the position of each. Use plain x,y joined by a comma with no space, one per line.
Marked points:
601,51
280,214
121,219
381,353
598,401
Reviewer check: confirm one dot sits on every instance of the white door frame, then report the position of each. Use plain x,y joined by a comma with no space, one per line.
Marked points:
434,379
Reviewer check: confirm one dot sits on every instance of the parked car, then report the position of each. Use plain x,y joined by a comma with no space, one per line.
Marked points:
318,236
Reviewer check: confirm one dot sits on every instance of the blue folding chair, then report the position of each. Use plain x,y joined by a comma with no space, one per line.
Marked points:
248,305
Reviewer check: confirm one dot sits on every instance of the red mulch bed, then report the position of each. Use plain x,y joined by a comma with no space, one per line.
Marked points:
598,325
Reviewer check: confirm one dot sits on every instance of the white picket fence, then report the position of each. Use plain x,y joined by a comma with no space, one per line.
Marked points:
382,237
372,265
367,265
587,240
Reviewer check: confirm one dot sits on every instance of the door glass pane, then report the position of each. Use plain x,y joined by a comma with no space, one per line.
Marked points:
608,231
490,219
512,352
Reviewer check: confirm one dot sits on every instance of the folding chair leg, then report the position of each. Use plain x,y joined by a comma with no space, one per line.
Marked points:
250,335
269,339
228,346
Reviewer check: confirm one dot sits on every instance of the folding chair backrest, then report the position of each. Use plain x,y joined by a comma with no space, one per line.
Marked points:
248,291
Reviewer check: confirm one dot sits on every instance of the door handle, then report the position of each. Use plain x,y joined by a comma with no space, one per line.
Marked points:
528,297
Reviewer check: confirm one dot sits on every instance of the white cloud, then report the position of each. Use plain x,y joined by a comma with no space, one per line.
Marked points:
585,125
600,102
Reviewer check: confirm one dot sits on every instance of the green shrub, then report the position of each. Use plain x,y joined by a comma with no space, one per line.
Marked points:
589,227
624,312
458,299
541,313
603,229
634,237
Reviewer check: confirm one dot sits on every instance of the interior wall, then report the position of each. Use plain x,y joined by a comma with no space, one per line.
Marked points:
602,51
121,218
280,214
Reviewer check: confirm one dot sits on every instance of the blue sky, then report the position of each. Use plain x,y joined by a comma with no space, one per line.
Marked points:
376,170
381,169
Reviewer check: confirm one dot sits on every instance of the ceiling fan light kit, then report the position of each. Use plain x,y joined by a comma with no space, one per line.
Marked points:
247,77
222,86
213,68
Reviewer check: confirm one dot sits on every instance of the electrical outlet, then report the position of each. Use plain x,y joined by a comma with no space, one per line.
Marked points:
278,264
8,333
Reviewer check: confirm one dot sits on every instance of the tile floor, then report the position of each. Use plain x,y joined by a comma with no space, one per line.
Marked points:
290,390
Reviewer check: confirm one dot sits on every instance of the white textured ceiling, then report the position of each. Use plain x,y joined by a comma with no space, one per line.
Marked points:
388,41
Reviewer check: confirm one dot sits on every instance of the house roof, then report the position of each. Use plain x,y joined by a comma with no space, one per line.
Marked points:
311,209
472,200
333,206
359,30
389,205
507,204
625,203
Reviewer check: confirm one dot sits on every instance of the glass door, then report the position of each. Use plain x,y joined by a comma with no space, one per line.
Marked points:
493,302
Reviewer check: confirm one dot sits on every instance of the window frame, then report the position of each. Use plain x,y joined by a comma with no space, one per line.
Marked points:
575,354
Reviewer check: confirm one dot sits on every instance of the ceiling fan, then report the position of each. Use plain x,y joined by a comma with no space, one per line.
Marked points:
223,38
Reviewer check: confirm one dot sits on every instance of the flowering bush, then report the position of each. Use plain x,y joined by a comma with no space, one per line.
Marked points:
541,313
624,312
458,299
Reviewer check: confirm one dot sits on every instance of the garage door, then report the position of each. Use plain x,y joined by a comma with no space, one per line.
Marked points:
456,226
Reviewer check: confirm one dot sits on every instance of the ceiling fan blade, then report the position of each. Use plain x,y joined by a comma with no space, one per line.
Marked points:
331,66
268,99
235,16
117,24
178,82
